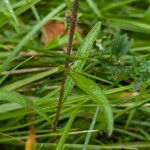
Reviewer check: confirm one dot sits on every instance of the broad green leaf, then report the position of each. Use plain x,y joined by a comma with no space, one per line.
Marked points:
83,51
18,48
17,98
91,88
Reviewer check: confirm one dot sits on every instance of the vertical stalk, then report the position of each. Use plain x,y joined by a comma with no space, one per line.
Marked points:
31,141
73,20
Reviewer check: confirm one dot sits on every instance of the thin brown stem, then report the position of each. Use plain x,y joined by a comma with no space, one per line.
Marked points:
73,20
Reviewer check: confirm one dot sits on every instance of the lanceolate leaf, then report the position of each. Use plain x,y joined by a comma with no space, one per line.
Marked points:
91,88
83,51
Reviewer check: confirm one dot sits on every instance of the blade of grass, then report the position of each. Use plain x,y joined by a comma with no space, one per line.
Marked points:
130,25
125,145
36,13
35,28
11,11
88,136
137,136
5,76
67,129
136,105
119,4
15,97
9,107
33,78
27,6
130,117
94,7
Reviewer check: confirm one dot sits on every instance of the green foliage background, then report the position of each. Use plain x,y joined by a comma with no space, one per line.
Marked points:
107,88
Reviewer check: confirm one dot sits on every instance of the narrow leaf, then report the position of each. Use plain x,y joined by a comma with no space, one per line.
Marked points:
94,7
90,87
28,80
67,129
88,136
18,48
15,97
83,51
131,25
11,11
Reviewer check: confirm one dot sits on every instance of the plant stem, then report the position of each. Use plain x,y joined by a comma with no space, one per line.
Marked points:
73,20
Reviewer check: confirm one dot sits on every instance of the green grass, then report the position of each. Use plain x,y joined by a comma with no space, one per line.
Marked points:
107,96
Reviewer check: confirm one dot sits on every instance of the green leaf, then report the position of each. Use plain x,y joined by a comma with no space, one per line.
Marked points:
28,80
17,98
121,44
83,51
11,11
13,97
94,7
146,16
67,129
131,25
115,5
9,107
88,136
91,88
3,17
27,6
19,11
18,48
134,106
